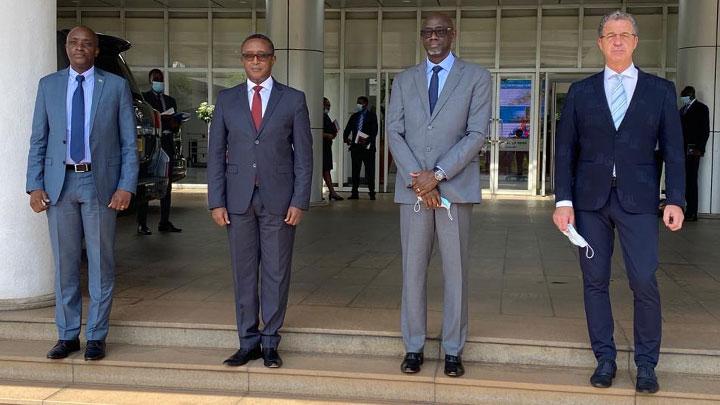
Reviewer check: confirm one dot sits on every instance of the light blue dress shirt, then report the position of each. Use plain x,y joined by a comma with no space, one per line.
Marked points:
88,87
446,65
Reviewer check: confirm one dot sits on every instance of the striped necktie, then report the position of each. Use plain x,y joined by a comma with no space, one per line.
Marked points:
618,105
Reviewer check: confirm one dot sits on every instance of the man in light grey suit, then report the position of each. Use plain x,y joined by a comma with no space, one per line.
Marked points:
82,169
259,175
437,123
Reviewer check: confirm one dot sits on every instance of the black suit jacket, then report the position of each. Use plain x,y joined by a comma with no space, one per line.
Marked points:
588,145
370,127
154,100
696,125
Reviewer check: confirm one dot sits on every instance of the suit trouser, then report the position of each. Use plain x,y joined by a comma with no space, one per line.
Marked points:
78,213
260,244
417,234
639,240
361,156
692,166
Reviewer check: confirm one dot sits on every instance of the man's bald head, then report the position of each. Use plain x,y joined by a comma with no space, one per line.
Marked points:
443,18
437,34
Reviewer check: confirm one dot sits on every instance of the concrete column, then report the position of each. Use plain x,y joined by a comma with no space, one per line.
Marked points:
27,52
296,28
698,66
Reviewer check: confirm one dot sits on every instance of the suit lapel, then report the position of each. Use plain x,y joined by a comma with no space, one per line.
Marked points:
97,92
638,96
61,87
245,107
599,86
451,82
422,87
275,95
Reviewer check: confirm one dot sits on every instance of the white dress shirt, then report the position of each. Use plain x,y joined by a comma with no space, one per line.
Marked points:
88,87
629,82
264,93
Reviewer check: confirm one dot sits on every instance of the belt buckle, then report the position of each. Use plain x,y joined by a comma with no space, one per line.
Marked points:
80,168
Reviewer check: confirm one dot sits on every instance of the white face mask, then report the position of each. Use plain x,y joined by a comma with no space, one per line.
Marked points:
685,100
444,203
358,107
327,111
577,240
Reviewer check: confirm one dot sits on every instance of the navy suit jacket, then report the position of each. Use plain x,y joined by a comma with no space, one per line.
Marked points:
278,156
588,145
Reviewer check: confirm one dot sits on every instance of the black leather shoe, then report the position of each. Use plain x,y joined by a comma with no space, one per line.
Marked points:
412,362
453,366
336,197
168,227
604,374
354,197
372,196
646,380
95,350
271,358
242,356
143,230
63,348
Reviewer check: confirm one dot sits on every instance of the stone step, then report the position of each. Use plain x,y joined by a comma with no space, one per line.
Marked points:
487,349
342,377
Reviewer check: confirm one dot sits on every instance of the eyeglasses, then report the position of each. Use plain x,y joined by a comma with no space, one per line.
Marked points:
261,57
440,32
625,36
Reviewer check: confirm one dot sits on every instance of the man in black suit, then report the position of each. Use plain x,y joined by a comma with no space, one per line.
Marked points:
170,125
362,150
695,118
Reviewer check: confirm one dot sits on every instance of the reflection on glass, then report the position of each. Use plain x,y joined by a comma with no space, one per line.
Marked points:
188,42
222,81
189,90
146,36
228,34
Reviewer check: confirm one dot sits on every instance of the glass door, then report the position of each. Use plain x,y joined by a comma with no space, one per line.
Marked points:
514,135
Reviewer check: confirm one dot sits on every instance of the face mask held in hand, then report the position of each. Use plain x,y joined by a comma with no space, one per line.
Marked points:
444,203
577,240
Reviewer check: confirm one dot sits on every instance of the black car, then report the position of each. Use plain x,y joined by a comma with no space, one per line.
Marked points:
154,171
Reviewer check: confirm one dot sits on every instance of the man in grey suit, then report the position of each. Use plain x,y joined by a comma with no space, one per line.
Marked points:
437,122
82,169
259,176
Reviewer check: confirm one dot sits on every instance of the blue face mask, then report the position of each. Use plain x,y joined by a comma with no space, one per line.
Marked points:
158,87
685,100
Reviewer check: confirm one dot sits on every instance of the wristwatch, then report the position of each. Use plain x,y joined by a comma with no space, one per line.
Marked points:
439,174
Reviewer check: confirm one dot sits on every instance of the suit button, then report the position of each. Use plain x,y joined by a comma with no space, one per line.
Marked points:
257,142
64,142
254,165
428,149
430,127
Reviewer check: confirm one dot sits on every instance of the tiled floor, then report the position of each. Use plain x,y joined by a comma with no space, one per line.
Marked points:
524,277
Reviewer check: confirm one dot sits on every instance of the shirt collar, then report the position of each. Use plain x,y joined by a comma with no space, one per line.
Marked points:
266,85
446,63
89,74
631,72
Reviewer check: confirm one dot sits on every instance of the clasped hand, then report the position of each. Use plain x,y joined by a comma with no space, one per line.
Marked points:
424,185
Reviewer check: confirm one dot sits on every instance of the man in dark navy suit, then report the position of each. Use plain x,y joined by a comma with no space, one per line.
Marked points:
607,178
695,118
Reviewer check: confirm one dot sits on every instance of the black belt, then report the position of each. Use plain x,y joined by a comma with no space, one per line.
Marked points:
79,168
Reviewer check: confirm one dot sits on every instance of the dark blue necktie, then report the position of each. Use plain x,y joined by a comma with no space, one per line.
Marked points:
77,123
361,120
434,84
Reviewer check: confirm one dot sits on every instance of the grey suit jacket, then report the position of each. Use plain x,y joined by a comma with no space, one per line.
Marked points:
112,136
450,138
278,156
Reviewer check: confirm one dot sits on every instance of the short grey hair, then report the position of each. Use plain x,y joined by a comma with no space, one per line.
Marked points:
615,16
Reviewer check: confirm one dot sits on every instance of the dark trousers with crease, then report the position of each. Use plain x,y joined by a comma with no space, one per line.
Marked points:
360,157
639,241
261,247
692,167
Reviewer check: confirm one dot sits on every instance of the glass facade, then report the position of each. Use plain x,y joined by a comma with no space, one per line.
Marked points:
199,48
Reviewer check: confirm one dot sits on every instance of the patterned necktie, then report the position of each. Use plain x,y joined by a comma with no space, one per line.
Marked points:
77,122
618,104
257,107
434,85
361,121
